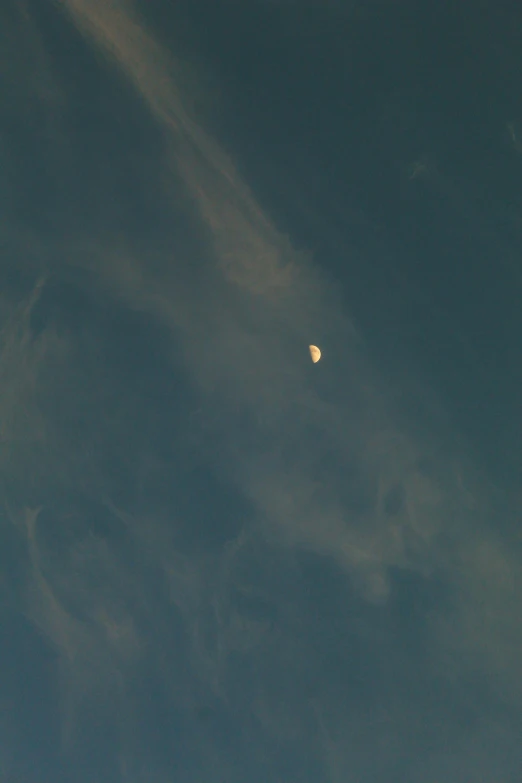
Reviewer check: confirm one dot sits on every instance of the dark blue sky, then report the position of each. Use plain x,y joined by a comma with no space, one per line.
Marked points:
218,560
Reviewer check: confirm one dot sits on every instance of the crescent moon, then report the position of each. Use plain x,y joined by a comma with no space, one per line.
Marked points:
315,353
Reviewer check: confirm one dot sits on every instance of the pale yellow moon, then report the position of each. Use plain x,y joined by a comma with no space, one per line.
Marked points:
315,353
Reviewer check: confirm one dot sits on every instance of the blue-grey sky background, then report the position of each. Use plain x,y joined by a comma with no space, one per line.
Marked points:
220,562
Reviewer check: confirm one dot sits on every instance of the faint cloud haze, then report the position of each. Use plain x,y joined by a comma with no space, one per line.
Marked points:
317,464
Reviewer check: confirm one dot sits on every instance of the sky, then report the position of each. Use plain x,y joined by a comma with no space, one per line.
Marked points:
219,561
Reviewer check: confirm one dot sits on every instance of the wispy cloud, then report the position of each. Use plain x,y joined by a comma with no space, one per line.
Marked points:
255,358
320,459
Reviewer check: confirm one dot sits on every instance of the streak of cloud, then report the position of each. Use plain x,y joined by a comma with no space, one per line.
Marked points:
255,257
325,463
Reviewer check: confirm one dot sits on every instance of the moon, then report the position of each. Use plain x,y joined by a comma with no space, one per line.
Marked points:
315,353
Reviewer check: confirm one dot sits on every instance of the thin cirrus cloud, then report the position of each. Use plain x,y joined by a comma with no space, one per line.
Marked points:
256,359
319,456
289,300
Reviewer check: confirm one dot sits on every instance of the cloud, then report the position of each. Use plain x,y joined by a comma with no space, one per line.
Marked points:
246,356
124,578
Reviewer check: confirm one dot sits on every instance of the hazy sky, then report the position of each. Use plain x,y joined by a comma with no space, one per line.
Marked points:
220,562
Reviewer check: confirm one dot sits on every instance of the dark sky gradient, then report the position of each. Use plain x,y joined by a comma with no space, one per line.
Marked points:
220,562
